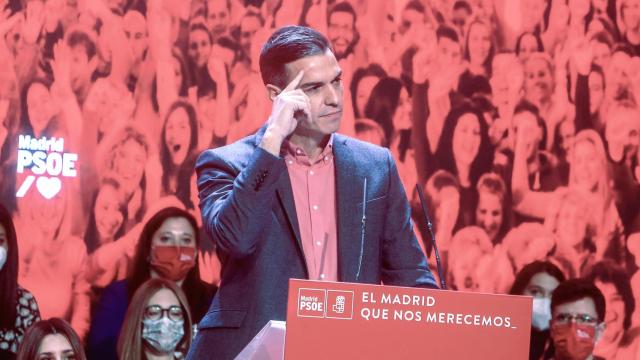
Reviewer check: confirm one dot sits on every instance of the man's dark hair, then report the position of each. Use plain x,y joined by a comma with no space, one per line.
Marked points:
608,272
286,45
447,32
415,5
343,7
81,38
461,4
576,289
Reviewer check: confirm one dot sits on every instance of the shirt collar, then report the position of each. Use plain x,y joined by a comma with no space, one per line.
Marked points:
294,152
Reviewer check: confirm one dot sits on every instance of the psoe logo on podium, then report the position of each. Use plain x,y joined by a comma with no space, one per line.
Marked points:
312,302
340,304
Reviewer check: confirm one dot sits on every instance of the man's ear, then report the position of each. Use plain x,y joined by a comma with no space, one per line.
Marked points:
273,91
600,328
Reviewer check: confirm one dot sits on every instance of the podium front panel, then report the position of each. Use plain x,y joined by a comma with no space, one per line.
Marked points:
330,320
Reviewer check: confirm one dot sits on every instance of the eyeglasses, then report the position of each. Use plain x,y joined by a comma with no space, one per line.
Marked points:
582,319
155,312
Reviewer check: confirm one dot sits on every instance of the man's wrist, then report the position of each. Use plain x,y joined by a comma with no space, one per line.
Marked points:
272,142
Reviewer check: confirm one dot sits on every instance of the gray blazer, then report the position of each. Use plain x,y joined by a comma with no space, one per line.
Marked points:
248,210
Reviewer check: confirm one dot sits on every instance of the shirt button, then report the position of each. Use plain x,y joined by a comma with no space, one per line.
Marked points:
326,158
290,162
315,207
298,151
318,243
311,172
321,276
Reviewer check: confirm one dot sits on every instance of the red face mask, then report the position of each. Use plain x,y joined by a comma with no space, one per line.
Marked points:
173,262
573,341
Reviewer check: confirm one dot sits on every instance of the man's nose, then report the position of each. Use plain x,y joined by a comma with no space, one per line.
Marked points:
331,96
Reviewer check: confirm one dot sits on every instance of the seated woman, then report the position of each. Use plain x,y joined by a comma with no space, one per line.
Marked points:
51,339
158,323
19,307
538,279
167,249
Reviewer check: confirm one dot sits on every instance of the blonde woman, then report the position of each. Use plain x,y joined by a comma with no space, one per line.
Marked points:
588,177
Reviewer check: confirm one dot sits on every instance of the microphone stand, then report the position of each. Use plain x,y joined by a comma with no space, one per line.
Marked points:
427,219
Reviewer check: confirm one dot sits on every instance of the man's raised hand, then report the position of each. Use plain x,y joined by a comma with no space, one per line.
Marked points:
288,106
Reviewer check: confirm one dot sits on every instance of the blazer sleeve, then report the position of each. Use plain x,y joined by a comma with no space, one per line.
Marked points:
403,262
236,204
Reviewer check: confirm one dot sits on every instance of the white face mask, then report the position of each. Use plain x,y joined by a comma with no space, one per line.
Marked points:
541,313
163,334
3,257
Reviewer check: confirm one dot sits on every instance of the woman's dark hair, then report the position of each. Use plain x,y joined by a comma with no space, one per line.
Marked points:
603,37
25,125
285,45
492,50
184,85
607,271
444,152
589,16
371,70
165,155
183,187
523,278
535,36
91,236
33,338
382,105
610,30
141,270
9,273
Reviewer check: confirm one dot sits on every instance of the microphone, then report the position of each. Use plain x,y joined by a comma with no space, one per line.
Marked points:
427,219
364,220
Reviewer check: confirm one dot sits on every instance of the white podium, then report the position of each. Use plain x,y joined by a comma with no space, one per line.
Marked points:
268,344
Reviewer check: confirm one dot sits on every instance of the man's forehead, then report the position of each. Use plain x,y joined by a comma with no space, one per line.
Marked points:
581,306
317,68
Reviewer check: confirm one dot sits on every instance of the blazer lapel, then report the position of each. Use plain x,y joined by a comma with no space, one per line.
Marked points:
348,195
285,197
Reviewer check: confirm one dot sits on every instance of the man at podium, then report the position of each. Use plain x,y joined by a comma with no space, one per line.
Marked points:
287,202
